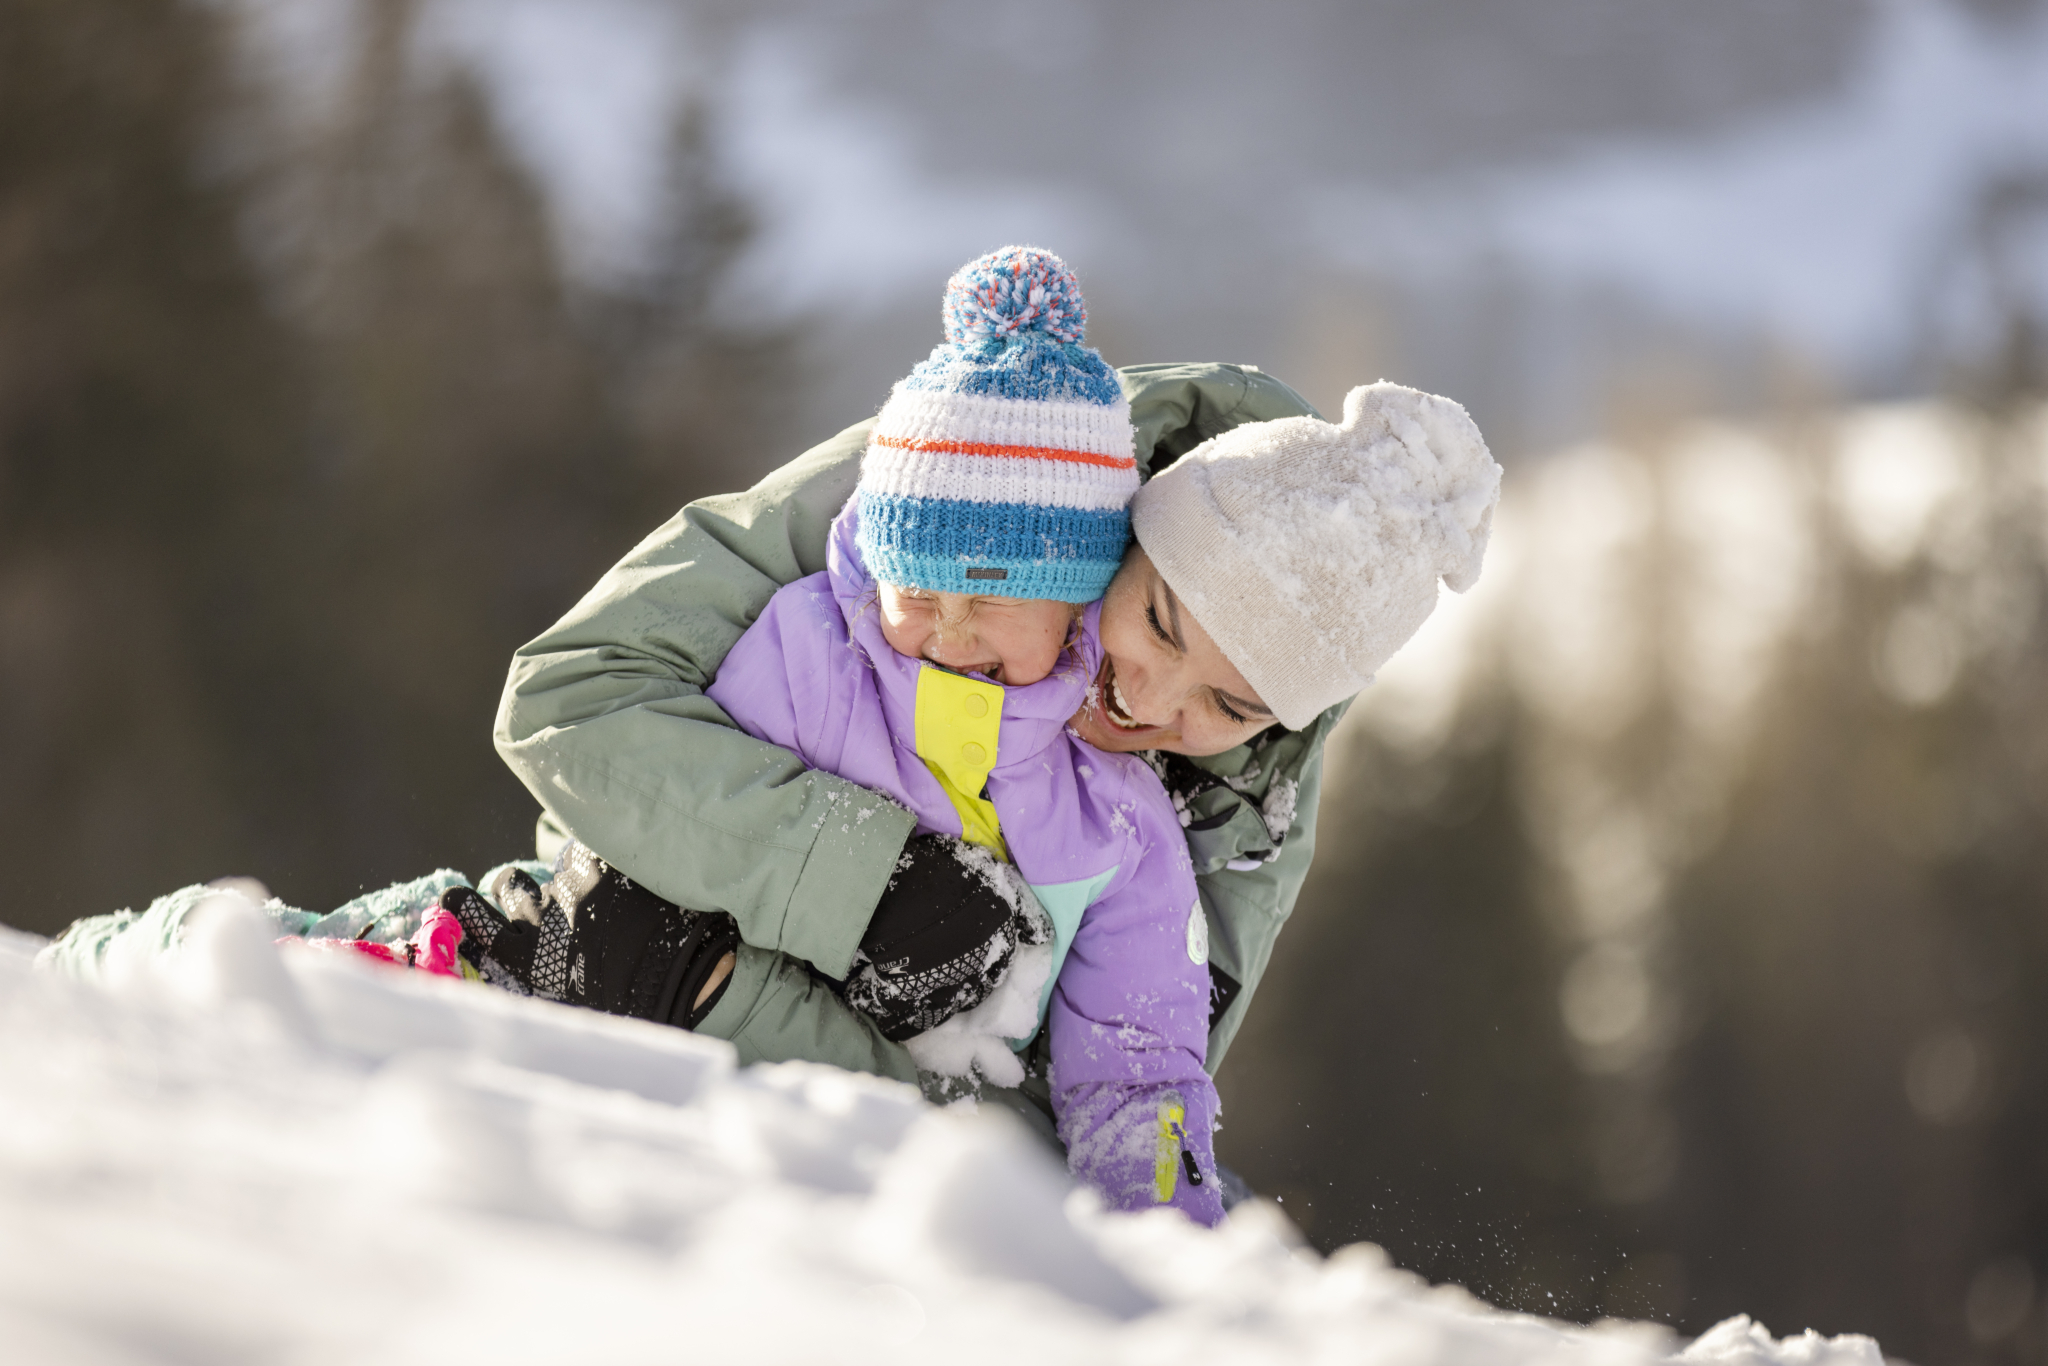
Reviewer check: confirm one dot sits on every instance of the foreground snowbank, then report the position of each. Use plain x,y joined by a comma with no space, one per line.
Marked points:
241,1155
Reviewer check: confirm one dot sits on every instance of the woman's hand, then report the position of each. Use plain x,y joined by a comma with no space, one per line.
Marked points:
591,936
940,939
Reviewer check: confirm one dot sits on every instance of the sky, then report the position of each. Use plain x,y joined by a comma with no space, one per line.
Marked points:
1387,187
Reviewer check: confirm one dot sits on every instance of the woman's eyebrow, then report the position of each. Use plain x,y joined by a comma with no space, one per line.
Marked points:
1173,614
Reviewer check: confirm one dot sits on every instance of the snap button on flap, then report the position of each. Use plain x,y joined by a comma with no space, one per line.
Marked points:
958,738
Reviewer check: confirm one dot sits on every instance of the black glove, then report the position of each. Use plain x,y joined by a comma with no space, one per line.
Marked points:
591,936
940,941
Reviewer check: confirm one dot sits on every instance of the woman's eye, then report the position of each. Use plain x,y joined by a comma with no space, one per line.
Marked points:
1152,619
1229,713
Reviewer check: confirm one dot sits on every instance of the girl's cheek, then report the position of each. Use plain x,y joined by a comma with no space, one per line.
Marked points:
903,637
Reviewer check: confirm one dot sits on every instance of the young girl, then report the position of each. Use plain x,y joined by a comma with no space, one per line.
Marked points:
937,660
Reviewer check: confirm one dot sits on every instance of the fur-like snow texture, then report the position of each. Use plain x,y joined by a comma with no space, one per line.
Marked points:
976,1043
1003,465
242,1157
1093,834
1311,551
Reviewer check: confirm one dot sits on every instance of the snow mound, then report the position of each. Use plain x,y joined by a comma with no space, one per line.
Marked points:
232,1155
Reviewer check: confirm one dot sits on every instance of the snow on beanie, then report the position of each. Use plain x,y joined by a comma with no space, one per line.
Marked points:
1002,465
1309,551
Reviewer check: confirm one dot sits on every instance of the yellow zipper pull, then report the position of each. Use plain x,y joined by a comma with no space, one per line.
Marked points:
1167,1154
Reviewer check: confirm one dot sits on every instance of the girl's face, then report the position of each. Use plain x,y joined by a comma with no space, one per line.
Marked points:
1012,641
1164,684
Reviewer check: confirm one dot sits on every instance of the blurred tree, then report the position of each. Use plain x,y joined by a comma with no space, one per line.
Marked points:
145,397
698,379
305,431
1403,1078
1868,953
1839,1123
458,486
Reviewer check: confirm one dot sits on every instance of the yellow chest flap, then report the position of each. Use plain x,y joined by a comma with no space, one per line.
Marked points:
958,722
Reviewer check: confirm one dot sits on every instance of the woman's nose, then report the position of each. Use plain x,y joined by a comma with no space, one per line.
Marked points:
1142,697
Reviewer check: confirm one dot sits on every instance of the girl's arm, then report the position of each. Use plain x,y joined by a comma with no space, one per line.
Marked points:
1128,1027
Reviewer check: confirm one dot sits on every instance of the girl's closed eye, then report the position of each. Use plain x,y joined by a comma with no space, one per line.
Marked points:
1011,641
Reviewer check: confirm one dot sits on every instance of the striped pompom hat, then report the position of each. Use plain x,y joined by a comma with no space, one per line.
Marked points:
1002,465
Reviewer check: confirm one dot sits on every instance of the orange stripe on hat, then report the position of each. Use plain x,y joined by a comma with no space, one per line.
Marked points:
1114,462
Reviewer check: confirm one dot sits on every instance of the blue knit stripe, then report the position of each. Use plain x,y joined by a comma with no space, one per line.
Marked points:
1054,580
1068,554
1014,531
1030,365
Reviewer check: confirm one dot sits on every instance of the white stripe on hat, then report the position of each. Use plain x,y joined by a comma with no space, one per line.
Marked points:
1092,428
996,479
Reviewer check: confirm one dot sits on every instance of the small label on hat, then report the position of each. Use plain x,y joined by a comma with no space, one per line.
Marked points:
988,573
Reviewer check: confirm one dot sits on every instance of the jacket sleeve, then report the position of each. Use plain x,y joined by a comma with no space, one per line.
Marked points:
794,681
756,681
1175,408
1249,899
605,720
1128,1025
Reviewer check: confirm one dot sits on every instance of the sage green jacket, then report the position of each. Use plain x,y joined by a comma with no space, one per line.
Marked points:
604,719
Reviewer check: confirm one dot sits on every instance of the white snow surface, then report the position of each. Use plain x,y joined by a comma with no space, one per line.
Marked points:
236,1155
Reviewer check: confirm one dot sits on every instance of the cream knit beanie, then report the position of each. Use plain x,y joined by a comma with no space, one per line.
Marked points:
1310,552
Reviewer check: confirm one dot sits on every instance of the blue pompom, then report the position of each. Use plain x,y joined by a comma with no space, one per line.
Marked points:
1014,290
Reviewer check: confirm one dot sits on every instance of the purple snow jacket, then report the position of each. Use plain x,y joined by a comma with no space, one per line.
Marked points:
1093,833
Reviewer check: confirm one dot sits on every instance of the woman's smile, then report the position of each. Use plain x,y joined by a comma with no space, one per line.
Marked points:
1114,702
1163,684
1106,720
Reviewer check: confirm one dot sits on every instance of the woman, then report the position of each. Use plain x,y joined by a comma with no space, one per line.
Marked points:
605,720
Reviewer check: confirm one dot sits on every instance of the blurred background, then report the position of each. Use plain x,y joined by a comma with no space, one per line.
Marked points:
1676,945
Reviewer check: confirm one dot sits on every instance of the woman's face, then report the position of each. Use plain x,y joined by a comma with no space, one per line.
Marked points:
1164,684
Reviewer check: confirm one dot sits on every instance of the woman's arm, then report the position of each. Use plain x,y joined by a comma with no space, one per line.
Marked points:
604,719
